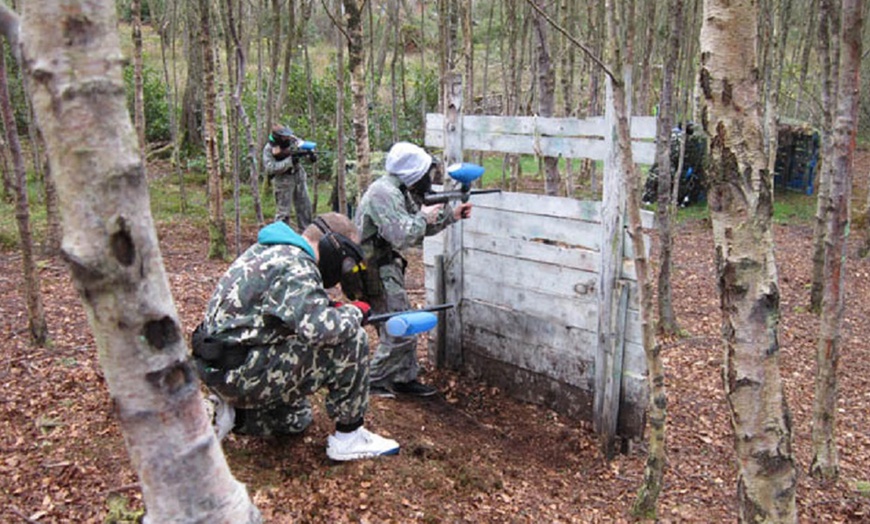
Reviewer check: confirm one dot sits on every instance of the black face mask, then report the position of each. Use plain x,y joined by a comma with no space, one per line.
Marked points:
423,186
341,261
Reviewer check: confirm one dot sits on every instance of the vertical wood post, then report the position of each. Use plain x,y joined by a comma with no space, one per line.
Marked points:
608,358
450,345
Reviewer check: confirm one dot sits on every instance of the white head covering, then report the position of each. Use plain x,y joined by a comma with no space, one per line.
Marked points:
409,162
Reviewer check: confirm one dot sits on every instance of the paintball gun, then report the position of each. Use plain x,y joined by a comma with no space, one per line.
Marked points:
301,149
407,323
464,173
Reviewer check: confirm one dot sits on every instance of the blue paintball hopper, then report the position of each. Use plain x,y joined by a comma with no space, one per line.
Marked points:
305,145
465,172
408,324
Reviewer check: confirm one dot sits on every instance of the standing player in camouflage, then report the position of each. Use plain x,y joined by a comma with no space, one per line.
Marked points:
391,218
287,175
271,337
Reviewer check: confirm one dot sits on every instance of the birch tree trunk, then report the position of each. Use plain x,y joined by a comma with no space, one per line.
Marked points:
32,286
741,208
356,64
829,56
217,229
111,247
666,202
825,462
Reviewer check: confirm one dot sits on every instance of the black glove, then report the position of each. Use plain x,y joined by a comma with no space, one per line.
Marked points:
312,157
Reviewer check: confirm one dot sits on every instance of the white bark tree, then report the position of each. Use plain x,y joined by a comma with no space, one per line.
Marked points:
825,461
72,58
741,207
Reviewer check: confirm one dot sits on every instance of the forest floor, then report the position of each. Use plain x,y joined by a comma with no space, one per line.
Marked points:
470,454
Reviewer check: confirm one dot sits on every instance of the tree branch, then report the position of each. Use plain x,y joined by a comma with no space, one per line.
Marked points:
574,41
334,20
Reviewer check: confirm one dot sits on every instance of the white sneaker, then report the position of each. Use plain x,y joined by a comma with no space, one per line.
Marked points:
222,414
359,444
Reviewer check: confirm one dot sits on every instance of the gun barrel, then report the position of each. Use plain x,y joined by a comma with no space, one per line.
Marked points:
446,196
386,316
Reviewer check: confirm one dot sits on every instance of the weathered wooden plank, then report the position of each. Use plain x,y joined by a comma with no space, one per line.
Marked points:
642,127
606,407
528,386
531,342
557,137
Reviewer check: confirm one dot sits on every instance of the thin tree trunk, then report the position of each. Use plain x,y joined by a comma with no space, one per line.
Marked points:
825,462
138,82
217,234
666,200
569,57
111,246
654,473
465,11
356,65
397,50
227,137
290,43
643,93
37,327
54,233
547,99
274,60
167,32
238,86
829,55
741,208
192,99
340,160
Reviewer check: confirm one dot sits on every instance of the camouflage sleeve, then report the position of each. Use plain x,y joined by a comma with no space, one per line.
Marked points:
273,167
299,299
395,223
445,218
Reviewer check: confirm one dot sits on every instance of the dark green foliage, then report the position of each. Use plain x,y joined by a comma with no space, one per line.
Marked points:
125,14
156,108
16,91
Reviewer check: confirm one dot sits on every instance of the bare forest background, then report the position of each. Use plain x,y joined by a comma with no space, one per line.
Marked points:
296,72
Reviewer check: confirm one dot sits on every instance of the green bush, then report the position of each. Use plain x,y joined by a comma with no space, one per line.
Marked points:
154,96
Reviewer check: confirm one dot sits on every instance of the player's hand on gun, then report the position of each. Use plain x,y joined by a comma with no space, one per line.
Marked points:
431,212
364,308
461,211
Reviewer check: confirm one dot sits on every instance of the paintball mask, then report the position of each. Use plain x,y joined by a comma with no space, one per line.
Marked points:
282,136
341,261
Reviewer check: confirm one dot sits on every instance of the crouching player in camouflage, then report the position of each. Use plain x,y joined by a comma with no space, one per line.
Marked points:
271,337
391,218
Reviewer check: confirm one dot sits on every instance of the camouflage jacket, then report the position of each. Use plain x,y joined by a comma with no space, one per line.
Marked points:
389,218
272,166
274,291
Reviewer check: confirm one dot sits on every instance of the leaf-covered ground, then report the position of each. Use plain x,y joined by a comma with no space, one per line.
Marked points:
468,455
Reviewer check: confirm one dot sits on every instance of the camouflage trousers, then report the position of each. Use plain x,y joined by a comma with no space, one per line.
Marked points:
395,359
291,190
270,390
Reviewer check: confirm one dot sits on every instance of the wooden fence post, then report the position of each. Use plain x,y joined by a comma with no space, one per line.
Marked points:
608,358
450,345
